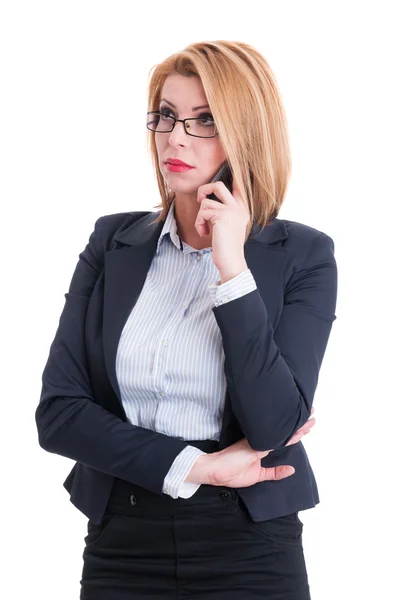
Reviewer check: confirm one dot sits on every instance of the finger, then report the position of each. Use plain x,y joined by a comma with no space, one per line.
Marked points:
202,225
296,438
276,473
208,203
218,188
307,426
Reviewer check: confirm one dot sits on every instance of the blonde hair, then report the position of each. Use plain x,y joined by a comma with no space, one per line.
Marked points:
247,108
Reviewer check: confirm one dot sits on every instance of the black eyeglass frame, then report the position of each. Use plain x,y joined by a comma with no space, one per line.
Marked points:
151,112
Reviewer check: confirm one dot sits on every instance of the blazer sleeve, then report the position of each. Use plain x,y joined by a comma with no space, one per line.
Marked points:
272,376
69,420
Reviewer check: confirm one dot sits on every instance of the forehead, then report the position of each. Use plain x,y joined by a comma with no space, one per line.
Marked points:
183,90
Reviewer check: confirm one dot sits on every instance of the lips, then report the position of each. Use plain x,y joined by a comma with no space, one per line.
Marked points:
179,163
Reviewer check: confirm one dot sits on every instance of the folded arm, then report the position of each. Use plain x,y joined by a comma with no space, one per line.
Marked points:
272,376
69,420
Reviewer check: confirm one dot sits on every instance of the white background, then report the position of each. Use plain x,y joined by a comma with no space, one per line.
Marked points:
72,141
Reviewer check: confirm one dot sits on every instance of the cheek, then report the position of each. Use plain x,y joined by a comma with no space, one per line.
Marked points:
216,154
221,154
213,156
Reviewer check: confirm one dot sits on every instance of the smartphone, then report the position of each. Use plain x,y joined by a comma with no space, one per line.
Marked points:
223,174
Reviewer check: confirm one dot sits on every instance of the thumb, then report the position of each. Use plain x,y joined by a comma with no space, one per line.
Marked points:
277,473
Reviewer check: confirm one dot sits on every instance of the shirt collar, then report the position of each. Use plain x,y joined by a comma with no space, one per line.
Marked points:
170,227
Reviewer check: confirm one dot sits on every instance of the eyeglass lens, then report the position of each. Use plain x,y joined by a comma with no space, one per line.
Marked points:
202,126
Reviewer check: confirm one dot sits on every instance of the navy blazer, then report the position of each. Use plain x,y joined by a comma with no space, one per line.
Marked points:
274,340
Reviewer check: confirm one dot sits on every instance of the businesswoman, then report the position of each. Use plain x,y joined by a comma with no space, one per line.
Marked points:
183,371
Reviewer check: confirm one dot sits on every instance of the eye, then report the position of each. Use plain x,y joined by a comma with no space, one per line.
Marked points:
206,117
165,112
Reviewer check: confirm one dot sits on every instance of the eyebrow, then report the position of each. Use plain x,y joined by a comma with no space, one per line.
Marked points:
194,108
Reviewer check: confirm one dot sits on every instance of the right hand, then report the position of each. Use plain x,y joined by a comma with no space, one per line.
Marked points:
240,466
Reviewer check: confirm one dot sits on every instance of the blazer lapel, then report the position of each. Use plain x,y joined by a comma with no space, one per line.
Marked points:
127,264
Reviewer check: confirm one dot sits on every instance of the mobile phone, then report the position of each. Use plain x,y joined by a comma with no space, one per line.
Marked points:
223,174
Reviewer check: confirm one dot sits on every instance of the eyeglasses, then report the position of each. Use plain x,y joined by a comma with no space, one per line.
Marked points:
161,122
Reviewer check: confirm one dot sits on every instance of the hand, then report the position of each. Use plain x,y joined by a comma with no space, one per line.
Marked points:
227,222
240,466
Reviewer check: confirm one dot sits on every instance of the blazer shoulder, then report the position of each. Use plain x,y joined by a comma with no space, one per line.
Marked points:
110,225
302,238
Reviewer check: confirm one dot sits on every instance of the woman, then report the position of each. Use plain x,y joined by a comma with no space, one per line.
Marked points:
183,371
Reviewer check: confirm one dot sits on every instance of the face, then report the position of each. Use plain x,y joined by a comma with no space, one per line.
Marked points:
205,155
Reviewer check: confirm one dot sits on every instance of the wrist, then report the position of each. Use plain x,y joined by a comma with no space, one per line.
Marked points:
200,472
231,272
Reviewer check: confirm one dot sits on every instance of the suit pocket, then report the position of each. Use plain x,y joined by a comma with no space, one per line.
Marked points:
99,533
286,530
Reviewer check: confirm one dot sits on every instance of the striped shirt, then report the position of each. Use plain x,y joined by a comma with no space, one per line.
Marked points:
170,356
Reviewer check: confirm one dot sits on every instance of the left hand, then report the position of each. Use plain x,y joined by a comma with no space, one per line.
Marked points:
239,465
226,221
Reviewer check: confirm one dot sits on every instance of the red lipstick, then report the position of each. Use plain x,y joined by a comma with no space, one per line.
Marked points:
177,166
176,161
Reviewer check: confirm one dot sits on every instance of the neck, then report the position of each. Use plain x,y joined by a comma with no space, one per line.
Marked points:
185,213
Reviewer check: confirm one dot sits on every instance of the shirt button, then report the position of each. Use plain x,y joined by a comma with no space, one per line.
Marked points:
199,257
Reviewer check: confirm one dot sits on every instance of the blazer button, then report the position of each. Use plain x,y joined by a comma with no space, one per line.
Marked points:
133,499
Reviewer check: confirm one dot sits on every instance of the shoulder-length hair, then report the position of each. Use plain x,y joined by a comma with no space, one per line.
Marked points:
246,105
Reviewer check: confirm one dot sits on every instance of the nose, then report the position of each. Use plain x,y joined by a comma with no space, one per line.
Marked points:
178,134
